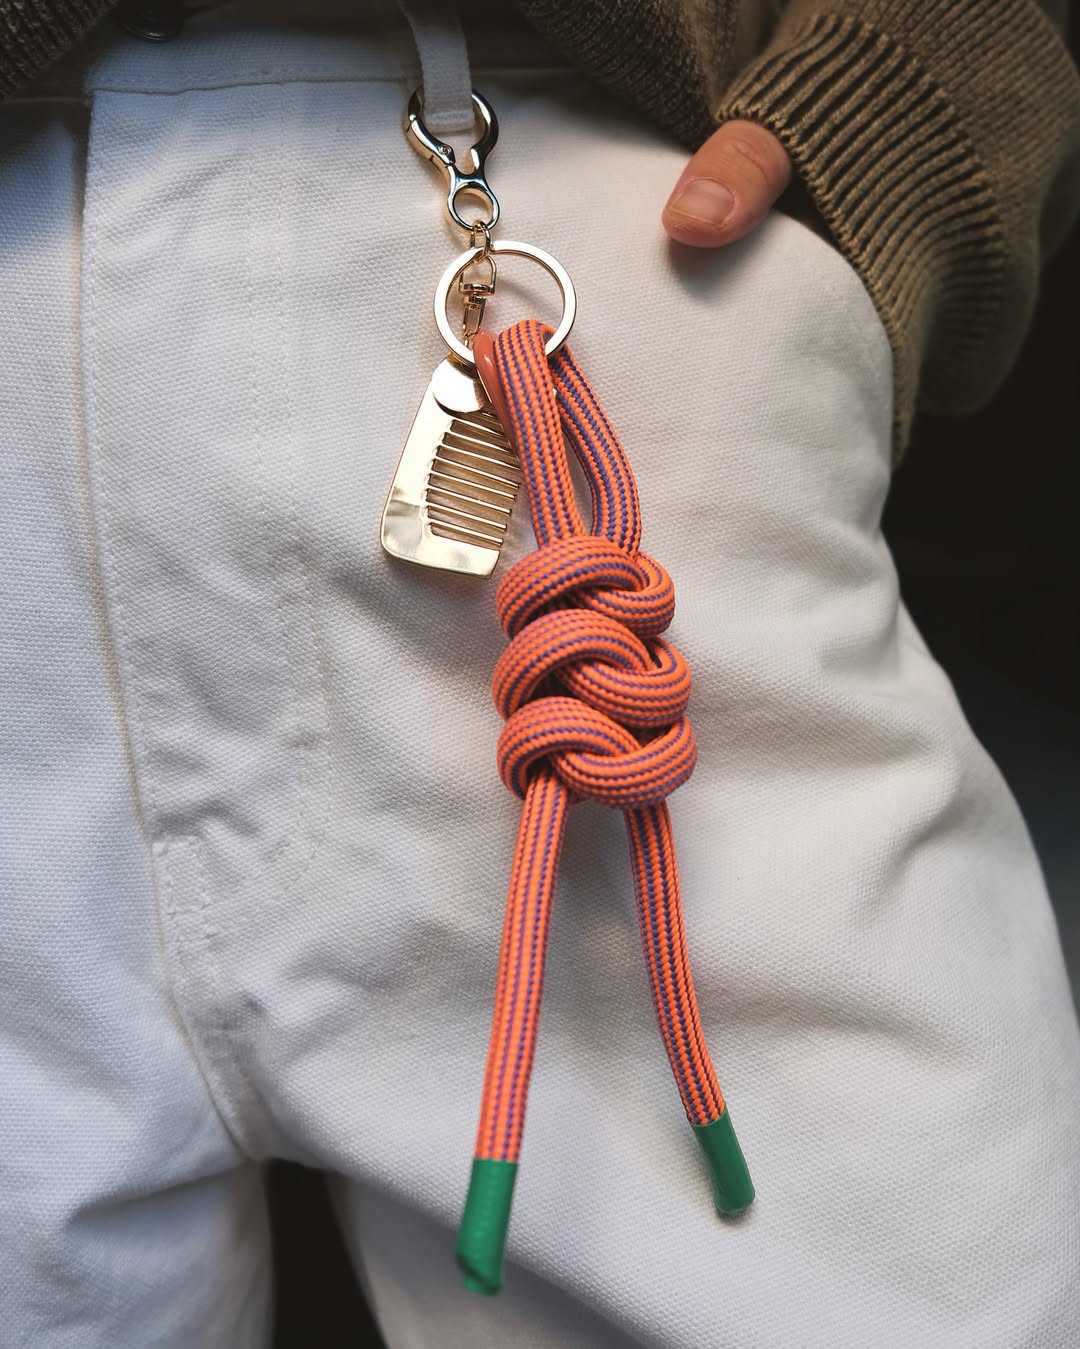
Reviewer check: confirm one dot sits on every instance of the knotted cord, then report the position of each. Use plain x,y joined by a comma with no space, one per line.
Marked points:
595,707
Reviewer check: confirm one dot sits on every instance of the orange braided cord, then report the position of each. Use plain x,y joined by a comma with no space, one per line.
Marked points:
594,701
521,969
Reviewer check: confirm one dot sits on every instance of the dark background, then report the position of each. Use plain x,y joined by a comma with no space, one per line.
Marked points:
982,520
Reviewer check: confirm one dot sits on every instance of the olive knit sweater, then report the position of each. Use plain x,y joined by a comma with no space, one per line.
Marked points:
939,140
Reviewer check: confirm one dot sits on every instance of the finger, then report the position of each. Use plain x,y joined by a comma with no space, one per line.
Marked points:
728,186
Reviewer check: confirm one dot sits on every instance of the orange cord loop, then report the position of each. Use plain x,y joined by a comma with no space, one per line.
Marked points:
594,701
594,573
592,755
598,660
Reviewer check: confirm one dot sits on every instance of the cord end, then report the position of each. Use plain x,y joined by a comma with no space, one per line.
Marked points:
733,1190
482,1234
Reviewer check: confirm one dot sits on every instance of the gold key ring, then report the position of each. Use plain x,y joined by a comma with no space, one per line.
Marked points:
505,247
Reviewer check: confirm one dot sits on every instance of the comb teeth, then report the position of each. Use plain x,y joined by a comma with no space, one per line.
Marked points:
453,491
473,480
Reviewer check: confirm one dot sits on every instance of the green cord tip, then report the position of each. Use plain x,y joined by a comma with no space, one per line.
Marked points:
733,1190
482,1235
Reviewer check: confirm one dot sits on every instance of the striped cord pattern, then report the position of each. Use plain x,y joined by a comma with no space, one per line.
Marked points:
594,701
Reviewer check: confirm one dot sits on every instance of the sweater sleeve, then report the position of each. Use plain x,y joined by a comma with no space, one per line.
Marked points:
33,33
940,142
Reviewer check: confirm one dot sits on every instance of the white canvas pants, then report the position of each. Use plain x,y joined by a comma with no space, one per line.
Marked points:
254,849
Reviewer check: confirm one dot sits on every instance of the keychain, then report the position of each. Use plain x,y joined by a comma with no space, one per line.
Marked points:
594,699
450,502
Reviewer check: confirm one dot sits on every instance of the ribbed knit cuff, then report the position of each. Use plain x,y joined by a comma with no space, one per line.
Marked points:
939,141
33,33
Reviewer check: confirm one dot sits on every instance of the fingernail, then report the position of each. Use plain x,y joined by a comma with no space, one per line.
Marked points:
704,199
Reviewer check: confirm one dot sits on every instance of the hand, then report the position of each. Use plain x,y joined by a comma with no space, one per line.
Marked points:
728,186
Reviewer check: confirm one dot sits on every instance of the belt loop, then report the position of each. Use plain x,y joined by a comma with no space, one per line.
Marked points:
444,63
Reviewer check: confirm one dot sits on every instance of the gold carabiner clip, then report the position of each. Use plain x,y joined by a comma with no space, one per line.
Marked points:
472,180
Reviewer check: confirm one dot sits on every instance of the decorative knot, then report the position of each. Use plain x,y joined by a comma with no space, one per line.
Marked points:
615,674
594,702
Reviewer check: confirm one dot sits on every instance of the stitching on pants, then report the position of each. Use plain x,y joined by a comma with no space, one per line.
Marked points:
203,1018
204,83
304,811
285,843
131,686
316,830
218,1019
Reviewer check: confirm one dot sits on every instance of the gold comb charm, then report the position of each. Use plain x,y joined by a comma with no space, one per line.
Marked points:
453,492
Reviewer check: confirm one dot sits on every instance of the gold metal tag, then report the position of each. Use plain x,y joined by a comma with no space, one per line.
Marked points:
450,501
